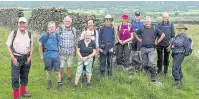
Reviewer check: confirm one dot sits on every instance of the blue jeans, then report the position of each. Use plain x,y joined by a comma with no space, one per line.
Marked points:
51,63
176,68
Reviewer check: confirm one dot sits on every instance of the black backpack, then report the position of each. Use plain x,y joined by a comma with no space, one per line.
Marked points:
46,40
189,47
14,36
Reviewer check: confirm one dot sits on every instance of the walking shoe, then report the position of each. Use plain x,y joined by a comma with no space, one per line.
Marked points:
153,78
88,85
49,84
59,86
75,87
178,85
159,71
69,80
26,95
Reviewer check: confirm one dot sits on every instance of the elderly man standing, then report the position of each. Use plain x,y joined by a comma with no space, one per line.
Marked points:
20,42
67,44
149,34
163,55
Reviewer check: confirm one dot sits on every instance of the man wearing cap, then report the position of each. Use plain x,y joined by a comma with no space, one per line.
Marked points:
163,55
106,43
136,46
67,45
20,43
178,46
124,36
148,36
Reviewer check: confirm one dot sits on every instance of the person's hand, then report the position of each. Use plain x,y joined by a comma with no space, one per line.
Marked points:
100,50
140,40
124,42
111,50
120,41
42,58
169,48
156,42
84,59
14,61
28,60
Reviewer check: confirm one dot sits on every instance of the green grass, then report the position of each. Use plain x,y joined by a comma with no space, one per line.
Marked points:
122,86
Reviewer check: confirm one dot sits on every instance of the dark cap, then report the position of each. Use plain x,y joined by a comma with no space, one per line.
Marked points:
137,13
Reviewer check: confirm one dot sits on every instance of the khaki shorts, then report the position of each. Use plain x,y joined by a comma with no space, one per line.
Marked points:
66,60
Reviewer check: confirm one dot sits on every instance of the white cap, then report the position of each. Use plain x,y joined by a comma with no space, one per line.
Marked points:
22,19
108,16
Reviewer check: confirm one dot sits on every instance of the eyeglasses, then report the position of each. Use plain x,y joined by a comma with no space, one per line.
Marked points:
109,19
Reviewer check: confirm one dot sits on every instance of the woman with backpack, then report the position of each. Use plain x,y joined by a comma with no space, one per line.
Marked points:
124,36
179,46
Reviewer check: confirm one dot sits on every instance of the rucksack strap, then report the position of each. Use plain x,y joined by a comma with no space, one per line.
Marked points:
13,38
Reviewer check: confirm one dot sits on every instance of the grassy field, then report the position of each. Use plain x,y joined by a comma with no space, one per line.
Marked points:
122,86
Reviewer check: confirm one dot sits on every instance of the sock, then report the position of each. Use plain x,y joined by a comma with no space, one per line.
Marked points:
15,93
23,89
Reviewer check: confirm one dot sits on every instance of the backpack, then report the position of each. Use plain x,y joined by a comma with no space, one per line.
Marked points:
46,40
189,47
102,29
129,27
14,36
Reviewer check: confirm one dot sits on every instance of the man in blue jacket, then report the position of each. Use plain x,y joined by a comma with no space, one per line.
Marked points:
136,46
106,44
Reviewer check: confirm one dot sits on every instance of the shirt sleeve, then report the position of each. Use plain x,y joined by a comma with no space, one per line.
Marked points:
97,38
131,29
82,36
42,38
32,39
79,44
158,31
94,45
9,40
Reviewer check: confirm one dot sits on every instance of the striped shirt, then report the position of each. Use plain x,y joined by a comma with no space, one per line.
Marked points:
67,40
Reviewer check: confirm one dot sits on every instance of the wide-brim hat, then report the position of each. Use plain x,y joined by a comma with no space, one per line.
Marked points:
181,26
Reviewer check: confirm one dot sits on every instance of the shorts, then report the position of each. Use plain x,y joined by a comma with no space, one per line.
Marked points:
51,63
66,60
88,66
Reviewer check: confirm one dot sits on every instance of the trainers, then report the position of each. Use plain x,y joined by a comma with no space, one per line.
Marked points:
59,86
26,95
88,85
49,84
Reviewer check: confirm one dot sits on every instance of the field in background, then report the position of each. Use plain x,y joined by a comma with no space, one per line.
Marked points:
123,85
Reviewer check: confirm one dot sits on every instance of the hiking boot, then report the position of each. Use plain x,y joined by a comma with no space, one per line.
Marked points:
69,80
159,71
178,85
49,84
75,87
59,86
153,79
89,85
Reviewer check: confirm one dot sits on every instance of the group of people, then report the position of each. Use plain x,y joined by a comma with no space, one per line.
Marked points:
59,45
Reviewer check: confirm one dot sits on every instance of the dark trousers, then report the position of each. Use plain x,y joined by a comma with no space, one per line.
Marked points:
103,66
163,56
20,71
126,50
176,68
